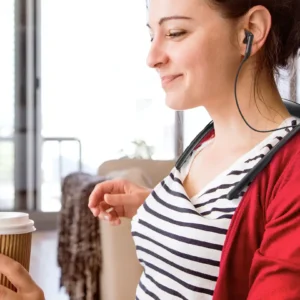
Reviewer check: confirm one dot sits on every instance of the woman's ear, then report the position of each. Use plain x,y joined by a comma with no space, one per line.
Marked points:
258,21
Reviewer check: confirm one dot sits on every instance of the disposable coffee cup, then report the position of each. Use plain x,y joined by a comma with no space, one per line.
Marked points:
15,240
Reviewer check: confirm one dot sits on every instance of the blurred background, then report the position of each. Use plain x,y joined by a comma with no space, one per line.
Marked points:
76,92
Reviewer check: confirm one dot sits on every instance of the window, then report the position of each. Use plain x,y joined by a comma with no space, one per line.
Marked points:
7,62
97,88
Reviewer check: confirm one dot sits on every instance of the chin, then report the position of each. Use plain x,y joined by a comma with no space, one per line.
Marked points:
178,102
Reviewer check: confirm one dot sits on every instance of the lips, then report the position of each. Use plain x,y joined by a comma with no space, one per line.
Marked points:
168,79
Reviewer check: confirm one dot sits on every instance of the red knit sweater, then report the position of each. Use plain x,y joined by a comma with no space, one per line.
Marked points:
261,254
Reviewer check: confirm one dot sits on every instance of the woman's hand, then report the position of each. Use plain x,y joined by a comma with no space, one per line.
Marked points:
20,278
117,198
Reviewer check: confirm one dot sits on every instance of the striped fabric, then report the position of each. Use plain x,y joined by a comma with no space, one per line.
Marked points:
179,240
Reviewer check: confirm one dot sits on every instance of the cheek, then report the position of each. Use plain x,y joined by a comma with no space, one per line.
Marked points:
199,55
208,70
193,54
201,69
198,64
210,66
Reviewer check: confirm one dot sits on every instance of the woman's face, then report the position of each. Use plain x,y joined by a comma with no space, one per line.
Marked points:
193,50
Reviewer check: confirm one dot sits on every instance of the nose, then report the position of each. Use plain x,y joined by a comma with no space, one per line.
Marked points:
157,56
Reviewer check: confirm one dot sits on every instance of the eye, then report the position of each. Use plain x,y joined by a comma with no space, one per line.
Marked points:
171,34
174,34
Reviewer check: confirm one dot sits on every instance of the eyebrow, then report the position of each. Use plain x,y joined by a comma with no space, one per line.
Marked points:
165,19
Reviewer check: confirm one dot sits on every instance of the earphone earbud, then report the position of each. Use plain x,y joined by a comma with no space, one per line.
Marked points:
249,42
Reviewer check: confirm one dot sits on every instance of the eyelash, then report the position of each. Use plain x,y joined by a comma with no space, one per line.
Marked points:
176,34
172,35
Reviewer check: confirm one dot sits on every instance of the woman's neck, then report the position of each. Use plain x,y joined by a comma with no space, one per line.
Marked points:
264,111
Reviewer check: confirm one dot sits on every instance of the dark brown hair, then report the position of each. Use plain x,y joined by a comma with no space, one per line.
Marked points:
283,42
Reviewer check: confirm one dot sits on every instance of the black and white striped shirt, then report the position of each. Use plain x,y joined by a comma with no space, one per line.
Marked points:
178,239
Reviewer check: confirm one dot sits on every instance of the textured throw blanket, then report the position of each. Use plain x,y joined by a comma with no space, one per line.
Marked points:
79,247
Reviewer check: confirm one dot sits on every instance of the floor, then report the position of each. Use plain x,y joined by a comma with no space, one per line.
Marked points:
43,266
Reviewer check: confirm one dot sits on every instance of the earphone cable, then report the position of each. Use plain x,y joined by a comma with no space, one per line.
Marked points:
239,109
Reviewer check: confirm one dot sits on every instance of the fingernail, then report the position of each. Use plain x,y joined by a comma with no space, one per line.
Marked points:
106,217
115,222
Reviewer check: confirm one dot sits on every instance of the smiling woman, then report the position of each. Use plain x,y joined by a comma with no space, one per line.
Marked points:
190,236
195,238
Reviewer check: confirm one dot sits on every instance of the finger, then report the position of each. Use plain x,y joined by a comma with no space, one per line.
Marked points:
6,294
110,201
115,222
16,274
106,187
109,215
112,216
102,207
119,199
95,211
113,219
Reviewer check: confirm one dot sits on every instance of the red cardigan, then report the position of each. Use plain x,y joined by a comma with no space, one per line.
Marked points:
261,254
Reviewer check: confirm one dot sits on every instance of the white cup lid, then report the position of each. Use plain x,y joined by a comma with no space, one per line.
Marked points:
15,223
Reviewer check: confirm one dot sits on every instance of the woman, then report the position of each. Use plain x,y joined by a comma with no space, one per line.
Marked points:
194,242
194,238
